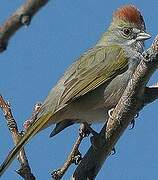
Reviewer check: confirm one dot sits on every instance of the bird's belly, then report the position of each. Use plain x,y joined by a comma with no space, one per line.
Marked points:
91,116
89,107
94,106
115,89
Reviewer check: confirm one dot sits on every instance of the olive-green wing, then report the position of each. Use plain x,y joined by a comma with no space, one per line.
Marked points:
97,66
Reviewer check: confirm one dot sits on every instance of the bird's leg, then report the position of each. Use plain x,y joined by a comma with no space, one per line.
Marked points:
85,130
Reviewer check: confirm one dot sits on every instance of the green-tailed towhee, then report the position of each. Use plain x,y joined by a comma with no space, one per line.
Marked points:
95,82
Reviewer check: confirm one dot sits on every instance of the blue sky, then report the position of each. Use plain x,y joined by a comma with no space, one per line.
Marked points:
35,59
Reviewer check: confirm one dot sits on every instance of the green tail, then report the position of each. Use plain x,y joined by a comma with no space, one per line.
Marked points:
34,128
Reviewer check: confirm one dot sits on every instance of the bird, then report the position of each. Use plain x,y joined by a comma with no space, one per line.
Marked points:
94,83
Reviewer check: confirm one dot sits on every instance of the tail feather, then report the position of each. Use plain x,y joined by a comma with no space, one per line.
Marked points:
34,128
61,126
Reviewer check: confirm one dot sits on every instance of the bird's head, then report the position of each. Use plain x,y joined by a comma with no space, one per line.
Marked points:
127,28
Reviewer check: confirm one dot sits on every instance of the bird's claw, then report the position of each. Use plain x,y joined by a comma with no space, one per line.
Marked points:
113,151
55,174
136,116
25,19
133,122
85,130
77,158
110,112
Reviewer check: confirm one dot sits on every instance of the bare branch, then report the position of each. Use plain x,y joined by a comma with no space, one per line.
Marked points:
74,156
22,17
130,103
25,170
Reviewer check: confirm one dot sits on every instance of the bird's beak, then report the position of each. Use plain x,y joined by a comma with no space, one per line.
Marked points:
142,36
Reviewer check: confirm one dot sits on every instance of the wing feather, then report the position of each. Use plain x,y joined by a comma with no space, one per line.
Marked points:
97,66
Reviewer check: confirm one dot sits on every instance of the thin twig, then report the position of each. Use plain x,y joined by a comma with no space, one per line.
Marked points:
25,170
74,156
22,17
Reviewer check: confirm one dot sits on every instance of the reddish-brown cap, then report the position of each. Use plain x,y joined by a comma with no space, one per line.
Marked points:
130,14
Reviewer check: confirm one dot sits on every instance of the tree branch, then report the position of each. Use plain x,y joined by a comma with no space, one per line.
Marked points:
129,104
20,18
25,170
75,155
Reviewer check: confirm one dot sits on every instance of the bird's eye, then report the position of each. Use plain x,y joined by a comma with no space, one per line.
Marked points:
126,31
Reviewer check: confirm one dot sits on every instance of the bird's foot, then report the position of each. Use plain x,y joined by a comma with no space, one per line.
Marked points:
132,124
110,113
86,130
55,174
77,158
